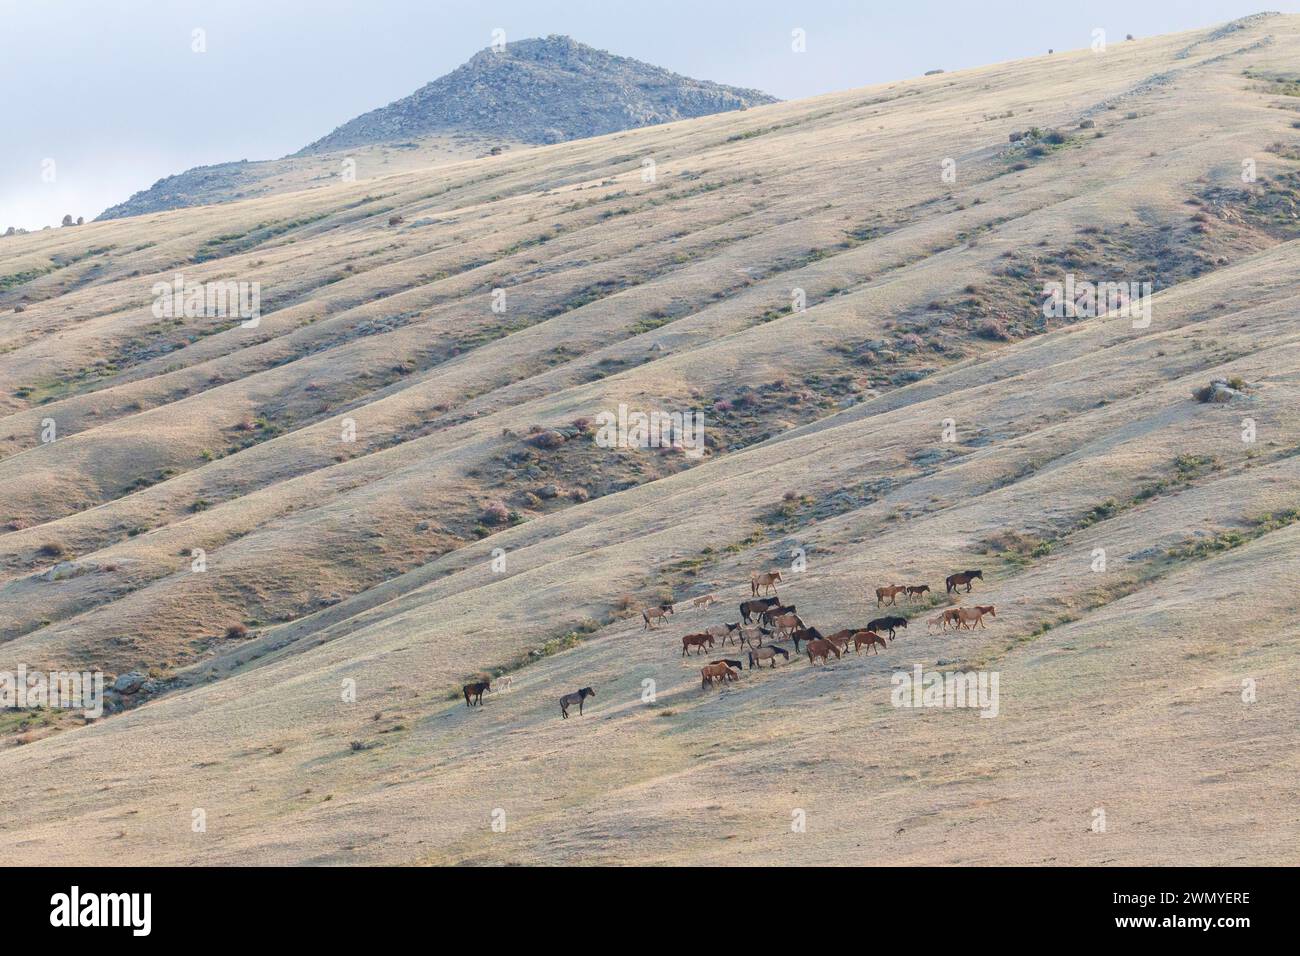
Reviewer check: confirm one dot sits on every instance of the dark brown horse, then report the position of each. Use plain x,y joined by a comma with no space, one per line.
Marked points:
577,698
954,581
750,609
476,692
696,641
916,590
804,634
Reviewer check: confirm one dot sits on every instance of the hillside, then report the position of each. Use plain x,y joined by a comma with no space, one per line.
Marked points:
545,90
357,466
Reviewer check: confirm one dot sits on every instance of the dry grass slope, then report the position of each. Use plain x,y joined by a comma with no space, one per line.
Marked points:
330,560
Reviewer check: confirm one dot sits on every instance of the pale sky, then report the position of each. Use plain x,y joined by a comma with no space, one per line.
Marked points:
112,92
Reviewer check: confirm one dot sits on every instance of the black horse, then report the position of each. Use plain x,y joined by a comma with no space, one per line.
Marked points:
954,581
738,665
476,691
887,624
577,698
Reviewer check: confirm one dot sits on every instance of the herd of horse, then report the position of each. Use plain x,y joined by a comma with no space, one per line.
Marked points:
765,618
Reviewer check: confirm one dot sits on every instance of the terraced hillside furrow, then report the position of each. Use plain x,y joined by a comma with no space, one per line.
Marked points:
394,479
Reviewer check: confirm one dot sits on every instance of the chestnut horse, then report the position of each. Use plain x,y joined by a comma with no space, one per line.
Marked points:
954,581
822,648
763,579
870,638
697,641
967,615
715,672
841,640
892,592
655,614
916,590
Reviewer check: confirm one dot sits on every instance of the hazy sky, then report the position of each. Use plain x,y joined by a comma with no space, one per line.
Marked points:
112,92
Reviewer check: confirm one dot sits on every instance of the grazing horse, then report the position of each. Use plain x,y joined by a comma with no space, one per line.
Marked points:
763,579
569,699
954,581
716,672
655,614
916,590
869,638
804,634
892,592
841,640
887,624
749,609
966,615
767,654
734,665
476,691
822,648
697,641
724,632
705,601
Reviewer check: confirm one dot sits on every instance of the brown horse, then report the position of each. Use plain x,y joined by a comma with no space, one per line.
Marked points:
951,616
786,623
892,592
870,638
655,614
967,615
763,579
697,641
476,691
841,640
776,610
716,672
954,581
916,590
821,648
